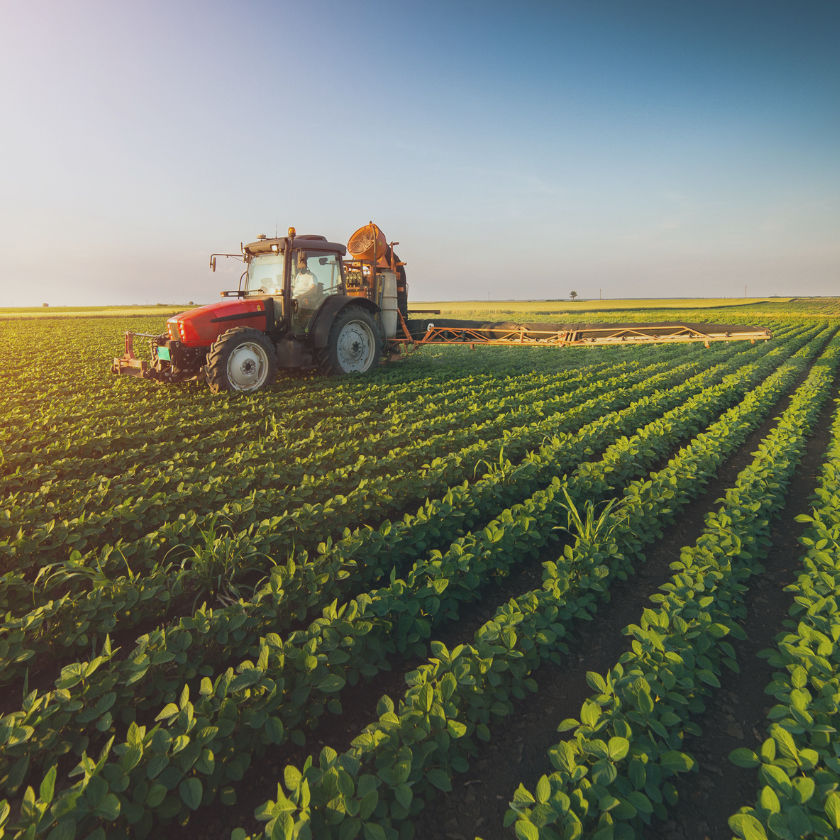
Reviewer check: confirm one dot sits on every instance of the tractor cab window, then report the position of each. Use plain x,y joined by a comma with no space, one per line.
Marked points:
315,276
265,275
327,270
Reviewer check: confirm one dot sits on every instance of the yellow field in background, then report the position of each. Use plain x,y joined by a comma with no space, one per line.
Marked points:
164,310
560,306
537,310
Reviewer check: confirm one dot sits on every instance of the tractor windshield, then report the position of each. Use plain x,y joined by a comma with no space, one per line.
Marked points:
265,275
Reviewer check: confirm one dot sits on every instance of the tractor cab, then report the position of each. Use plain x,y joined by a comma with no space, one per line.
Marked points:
299,273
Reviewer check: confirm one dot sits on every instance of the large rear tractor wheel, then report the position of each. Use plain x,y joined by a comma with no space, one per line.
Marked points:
242,359
354,344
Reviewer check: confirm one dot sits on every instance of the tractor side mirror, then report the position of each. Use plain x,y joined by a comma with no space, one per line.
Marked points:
212,263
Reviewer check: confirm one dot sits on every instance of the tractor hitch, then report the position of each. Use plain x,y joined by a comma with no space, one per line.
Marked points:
169,360
131,365
128,364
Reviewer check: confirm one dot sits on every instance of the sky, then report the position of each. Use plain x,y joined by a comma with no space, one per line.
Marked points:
515,150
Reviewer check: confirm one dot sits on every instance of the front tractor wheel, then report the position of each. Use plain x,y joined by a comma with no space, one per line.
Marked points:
354,344
242,359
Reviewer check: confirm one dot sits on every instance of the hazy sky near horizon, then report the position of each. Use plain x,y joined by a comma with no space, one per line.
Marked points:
627,149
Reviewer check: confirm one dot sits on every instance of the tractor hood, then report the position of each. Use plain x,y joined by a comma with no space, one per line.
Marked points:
202,326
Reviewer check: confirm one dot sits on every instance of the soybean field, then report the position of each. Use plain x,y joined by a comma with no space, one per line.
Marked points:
521,593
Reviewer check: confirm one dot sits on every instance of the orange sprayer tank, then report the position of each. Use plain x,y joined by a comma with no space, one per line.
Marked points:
368,243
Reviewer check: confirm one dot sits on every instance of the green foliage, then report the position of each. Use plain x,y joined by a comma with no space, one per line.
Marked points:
271,513
466,688
675,658
798,769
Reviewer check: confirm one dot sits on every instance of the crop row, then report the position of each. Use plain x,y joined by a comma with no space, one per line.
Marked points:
136,444
288,436
156,773
239,501
226,431
314,487
189,645
798,764
67,621
71,620
411,752
613,773
364,556
211,481
58,441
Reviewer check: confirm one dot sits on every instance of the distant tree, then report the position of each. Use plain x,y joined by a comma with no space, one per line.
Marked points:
572,295
44,304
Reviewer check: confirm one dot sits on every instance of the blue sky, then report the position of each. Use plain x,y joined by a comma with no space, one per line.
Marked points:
628,149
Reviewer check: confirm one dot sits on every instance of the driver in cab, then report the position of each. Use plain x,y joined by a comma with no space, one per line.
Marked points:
306,290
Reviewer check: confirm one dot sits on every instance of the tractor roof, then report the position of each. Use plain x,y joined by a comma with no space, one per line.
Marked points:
310,243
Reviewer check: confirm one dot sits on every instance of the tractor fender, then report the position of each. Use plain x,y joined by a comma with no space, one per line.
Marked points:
320,330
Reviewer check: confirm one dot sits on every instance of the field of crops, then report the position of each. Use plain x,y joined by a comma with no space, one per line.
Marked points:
503,593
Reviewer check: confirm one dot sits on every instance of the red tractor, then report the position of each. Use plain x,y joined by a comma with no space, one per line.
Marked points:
299,304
